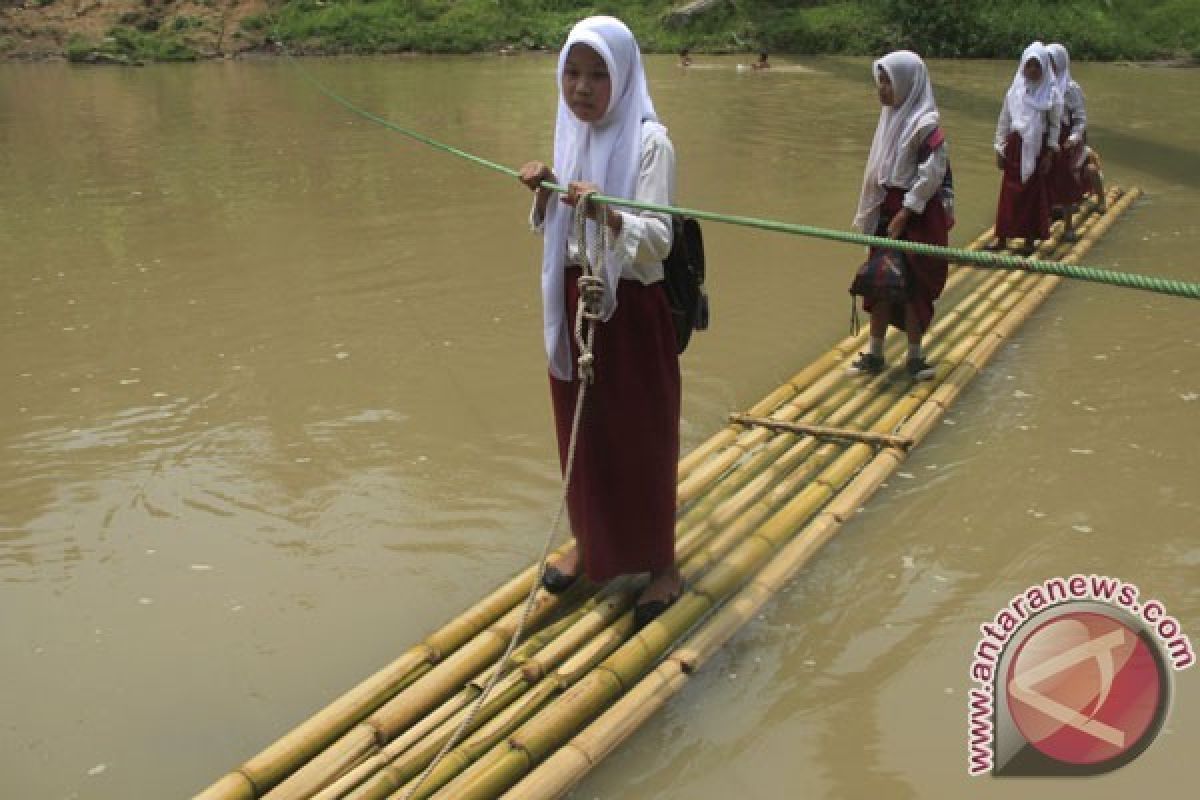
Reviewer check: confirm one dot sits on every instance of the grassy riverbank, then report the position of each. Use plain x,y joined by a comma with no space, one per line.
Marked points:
182,29
1095,29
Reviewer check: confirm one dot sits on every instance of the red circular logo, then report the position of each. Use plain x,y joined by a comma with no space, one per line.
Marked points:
1084,688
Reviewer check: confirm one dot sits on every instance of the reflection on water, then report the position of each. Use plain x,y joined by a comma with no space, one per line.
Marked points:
275,405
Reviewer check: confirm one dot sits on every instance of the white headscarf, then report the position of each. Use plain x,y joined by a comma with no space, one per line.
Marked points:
1062,66
607,153
1027,105
898,134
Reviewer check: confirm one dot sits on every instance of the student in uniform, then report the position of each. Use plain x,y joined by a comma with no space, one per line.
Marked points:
1068,185
1026,144
621,497
901,198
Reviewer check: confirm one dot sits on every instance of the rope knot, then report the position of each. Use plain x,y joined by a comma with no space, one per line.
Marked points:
587,371
591,296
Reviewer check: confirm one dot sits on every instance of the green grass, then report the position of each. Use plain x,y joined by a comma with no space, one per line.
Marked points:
130,44
1092,29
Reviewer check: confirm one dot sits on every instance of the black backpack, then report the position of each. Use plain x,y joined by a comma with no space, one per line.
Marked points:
683,277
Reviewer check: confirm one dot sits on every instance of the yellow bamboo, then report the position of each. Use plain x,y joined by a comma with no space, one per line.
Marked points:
232,786
821,431
269,767
600,612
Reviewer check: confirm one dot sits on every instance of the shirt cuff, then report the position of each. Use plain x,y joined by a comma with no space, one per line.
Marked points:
625,248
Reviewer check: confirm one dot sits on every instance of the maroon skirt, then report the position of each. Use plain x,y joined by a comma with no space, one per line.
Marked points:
1066,184
927,275
1023,210
621,498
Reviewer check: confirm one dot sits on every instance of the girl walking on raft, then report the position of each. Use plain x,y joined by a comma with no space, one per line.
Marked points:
1067,181
621,495
1026,143
901,198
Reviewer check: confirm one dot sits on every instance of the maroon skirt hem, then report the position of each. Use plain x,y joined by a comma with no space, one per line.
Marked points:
1066,184
1023,210
927,275
621,497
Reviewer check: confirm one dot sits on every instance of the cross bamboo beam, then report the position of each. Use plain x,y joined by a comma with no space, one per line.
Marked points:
823,431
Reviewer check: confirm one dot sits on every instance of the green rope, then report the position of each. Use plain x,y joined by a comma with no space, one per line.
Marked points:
1128,280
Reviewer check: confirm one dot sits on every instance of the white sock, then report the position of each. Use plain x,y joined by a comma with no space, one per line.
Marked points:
877,346
914,350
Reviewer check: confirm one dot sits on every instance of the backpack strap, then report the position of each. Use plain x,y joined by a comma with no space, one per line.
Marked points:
932,142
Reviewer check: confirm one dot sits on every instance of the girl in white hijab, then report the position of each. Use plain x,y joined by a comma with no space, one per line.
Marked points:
1067,183
1026,143
903,197
607,139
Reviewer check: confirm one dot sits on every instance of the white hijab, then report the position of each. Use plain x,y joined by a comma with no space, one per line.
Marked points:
898,134
1062,66
607,153
1027,104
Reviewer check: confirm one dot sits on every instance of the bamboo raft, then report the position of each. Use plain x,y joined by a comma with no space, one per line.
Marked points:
756,502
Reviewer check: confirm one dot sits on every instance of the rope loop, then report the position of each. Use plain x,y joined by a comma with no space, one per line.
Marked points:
590,307
591,296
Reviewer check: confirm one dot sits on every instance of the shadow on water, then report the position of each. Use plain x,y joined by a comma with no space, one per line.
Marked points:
1170,162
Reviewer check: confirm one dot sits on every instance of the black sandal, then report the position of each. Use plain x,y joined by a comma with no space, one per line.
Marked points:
555,581
645,613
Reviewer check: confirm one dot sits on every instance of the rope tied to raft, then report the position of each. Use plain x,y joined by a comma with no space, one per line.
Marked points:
587,313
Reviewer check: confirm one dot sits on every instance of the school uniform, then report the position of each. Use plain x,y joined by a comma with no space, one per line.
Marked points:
1067,184
905,169
621,494
1027,134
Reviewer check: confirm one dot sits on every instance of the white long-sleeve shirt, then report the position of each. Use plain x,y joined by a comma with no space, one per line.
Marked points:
1076,111
1004,128
645,237
925,180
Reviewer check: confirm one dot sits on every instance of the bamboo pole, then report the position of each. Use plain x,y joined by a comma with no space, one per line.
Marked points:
409,705
819,431
401,769
562,770
266,769
446,719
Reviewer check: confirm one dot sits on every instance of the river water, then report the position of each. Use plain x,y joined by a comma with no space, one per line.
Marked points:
273,405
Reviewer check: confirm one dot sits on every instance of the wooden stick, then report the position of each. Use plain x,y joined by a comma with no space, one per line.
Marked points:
823,431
